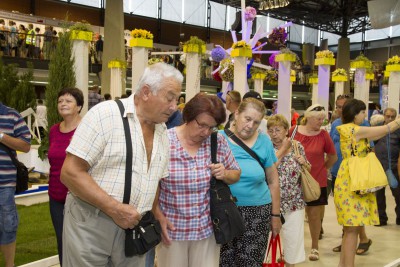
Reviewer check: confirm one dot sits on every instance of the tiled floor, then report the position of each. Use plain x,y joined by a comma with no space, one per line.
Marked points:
384,249
385,246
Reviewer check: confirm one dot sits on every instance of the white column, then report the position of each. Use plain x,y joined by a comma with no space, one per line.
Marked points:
240,75
339,89
259,86
314,98
192,75
385,97
140,58
116,83
284,90
359,83
80,52
393,90
366,94
323,86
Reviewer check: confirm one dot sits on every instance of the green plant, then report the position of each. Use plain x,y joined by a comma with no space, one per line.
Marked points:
35,236
61,75
195,42
81,26
23,96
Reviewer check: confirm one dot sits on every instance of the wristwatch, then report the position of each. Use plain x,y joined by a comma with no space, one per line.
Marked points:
1,136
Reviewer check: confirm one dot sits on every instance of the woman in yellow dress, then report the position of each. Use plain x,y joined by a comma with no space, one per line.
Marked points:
355,210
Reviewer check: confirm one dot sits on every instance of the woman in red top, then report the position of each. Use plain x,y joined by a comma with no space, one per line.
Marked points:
321,153
69,104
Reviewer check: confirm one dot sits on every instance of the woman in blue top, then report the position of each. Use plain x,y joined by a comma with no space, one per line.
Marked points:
257,201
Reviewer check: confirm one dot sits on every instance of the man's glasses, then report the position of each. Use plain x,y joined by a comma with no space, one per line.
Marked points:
318,108
206,127
343,97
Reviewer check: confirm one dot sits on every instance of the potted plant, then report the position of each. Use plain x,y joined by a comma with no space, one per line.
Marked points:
141,38
285,54
361,62
258,73
81,31
313,79
241,49
393,64
339,75
325,57
194,45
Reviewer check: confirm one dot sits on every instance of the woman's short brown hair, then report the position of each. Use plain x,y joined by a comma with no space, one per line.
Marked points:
278,120
254,103
203,103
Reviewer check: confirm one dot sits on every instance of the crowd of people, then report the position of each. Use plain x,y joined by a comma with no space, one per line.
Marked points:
172,168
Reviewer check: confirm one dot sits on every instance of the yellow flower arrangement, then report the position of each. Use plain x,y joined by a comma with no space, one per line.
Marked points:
241,44
140,33
324,54
394,60
339,72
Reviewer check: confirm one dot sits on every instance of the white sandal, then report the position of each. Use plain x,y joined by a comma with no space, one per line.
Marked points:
314,255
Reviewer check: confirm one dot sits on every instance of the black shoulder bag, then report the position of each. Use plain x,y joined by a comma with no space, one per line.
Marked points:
225,216
147,234
22,171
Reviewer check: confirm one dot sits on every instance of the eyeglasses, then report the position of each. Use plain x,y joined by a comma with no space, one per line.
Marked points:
343,97
274,130
318,108
206,127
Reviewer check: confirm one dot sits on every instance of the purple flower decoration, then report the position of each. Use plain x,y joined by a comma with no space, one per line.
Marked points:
250,13
278,37
218,54
272,61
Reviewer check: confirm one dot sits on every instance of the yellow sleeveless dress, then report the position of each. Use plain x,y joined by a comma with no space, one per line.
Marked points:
352,209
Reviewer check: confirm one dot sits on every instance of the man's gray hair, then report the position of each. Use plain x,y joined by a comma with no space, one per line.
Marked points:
155,75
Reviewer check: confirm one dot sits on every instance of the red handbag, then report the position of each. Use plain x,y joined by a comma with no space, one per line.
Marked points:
274,243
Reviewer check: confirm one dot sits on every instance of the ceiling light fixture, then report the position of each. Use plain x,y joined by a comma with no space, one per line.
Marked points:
271,4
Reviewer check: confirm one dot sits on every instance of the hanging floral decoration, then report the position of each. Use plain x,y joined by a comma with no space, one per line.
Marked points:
394,60
278,37
154,60
250,13
140,33
218,54
227,70
325,54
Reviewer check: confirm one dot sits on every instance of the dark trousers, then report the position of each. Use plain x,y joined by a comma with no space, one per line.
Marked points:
57,217
381,201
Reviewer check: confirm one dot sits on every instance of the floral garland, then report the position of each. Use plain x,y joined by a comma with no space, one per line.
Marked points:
278,37
154,60
339,72
241,44
250,13
140,33
226,75
394,60
325,54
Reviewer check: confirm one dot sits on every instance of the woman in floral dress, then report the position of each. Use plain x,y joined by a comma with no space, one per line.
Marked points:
354,210
292,200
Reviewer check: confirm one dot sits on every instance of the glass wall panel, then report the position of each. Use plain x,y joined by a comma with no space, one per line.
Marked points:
310,35
172,10
218,15
146,8
194,12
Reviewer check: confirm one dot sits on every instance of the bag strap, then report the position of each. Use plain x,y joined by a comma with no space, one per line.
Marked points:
10,154
388,148
231,135
274,243
294,132
128,164
214,147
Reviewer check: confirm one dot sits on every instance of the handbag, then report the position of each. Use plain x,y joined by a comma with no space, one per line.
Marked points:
226,219
147,233
309,186
392,180
273,245
366,173
22,171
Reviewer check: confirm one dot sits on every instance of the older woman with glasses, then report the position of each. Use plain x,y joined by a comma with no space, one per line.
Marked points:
257,191
292,200
183,204
321,153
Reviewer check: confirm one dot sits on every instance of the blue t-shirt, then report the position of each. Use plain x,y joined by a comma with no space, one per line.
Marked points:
335,136
252,189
